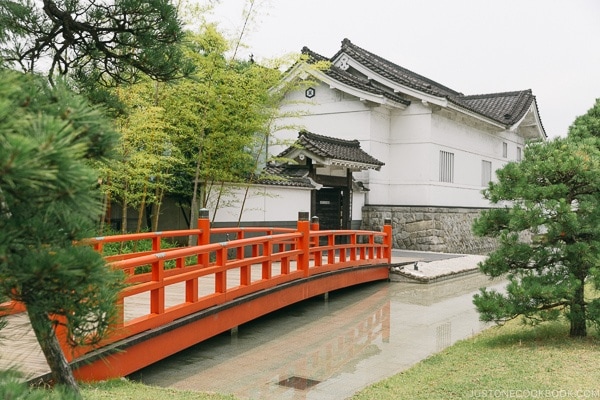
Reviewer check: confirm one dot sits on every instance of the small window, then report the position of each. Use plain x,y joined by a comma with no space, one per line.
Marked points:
519,154
486,172
504,149
446,167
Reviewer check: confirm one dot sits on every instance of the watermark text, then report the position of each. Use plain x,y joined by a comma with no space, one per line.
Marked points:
535,394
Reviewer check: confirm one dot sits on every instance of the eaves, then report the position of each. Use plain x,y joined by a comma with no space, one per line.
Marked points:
363,95
395,86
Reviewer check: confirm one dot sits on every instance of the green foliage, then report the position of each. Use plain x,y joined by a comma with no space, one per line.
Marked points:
138,246
231,108
93,41
13,387
198,132
133,246
147,154
49,198
548,228
587,125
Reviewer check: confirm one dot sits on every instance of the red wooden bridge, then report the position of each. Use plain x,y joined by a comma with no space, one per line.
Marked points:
178,297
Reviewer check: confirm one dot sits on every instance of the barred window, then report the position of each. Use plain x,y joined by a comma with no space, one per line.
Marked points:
486,172
519,154
504,149
446,167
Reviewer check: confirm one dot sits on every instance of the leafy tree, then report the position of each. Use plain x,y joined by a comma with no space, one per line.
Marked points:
233,108
216,123
548,226
107,41
49,198
147,155
587,125
211,123
228,102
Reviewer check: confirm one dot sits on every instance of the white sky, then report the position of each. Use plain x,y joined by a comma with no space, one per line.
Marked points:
472,46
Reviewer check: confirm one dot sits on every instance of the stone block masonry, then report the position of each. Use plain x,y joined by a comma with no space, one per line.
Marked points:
438,229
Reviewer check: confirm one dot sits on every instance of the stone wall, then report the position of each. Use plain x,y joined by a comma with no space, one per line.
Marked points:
439,229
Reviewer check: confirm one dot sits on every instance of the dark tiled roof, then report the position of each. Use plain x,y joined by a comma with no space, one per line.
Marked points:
346,151
329,147
285,175
504,108
352,80
394,72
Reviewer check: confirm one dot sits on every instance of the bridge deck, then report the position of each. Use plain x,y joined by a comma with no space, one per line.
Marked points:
20,349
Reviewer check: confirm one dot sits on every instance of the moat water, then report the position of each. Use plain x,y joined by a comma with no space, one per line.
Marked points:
329,347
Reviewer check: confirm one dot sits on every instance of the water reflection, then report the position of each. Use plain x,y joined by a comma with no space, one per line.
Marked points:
328,349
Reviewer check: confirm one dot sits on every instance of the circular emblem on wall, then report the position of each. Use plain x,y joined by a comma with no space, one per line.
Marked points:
310,92
343,63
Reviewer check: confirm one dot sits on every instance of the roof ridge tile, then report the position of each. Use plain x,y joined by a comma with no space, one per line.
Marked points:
411,78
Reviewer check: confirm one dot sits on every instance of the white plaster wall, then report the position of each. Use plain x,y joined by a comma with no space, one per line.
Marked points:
263,204
378,146
412,170
358,201
408,142
329,113
407,161
335,114
471,146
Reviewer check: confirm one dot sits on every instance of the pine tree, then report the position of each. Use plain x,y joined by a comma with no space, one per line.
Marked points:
548,226
106,41
49,198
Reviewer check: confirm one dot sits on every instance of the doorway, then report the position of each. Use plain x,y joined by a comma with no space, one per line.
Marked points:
329,208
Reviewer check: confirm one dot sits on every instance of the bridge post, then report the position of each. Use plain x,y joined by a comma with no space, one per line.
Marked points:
314,223
387,228
304,242
314,226
204,236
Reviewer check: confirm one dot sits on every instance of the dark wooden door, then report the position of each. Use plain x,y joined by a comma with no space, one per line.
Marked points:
329,208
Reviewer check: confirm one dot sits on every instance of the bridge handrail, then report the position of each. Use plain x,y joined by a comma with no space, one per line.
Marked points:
98,242
176,253
252,264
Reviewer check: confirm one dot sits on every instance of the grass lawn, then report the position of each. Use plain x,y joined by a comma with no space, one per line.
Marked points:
513,361
123,389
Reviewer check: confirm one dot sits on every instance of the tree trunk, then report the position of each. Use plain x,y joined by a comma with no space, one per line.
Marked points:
218,202
124,207
156,208
59,367
577,313
141,210
193,239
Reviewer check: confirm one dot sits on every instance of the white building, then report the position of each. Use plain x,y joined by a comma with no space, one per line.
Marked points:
380,141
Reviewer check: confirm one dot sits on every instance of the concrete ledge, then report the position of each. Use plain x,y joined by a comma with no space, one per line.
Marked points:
435,271
399,276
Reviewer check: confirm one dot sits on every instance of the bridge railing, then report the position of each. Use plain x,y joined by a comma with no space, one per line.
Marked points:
174,283
202,235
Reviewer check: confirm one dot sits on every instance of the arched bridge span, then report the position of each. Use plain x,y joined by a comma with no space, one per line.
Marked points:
179,297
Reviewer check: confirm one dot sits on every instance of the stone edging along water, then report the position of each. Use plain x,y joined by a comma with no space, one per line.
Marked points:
435,271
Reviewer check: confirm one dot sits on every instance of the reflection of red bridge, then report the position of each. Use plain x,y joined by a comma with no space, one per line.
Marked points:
193,293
